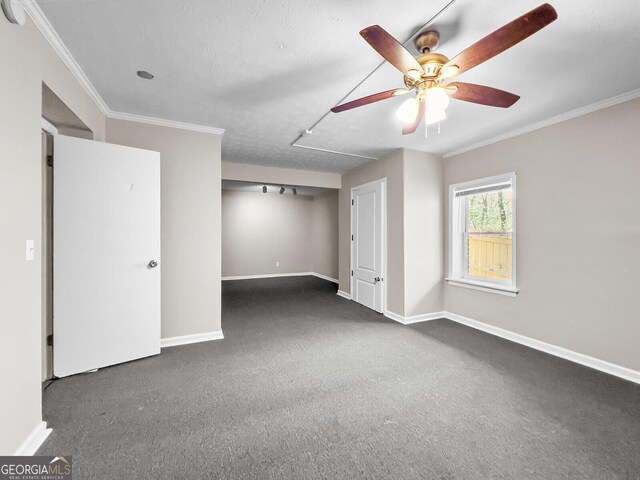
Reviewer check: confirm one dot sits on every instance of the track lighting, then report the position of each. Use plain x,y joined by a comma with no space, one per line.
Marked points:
281,190
264,189
295,192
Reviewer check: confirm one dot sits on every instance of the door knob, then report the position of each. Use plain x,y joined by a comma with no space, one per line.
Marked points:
377,279
152,264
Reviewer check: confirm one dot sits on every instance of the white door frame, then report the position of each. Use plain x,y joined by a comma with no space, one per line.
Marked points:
49,127
383,240
47,352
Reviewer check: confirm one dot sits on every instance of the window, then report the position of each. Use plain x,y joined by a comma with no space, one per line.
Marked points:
482,234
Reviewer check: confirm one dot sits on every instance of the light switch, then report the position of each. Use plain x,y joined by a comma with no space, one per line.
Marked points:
30,252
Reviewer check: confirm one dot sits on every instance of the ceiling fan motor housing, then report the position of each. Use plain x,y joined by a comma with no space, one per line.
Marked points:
431,64
427,41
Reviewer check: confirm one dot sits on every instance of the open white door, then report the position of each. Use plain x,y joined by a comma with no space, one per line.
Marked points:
106,254
367,253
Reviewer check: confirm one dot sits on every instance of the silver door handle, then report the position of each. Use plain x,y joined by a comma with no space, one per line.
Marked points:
376,280
152,264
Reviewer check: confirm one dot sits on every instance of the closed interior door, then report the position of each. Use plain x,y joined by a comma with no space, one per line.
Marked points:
106,254
367,244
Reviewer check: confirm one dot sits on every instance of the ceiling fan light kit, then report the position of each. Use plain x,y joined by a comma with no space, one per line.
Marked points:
430,73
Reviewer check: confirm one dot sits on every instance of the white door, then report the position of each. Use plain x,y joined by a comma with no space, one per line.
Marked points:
106,241
367,254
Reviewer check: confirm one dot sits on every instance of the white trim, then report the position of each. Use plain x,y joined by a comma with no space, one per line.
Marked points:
578,112
325,277
48,32
32,443
458,266
490,288
295,144
187,339
130,117
591,362
48,127
266,275
426,317
344,294
278,275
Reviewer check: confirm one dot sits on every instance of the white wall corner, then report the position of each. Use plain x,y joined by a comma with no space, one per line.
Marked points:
426,317
35,439
188,339
344,294
587,361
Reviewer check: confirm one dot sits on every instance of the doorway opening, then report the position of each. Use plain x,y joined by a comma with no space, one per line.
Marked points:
275,230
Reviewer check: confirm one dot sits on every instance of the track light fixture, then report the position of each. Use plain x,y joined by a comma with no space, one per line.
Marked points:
281,190
295,192
264,189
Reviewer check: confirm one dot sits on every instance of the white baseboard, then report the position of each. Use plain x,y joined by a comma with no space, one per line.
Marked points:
36,438
187,339
277,275
426,317
325,277
344,294
587,361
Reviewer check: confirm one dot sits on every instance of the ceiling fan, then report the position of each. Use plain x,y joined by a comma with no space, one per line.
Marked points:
430,73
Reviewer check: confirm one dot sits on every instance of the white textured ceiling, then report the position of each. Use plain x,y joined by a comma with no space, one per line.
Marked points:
266,70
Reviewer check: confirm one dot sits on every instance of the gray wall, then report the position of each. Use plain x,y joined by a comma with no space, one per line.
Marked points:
578,243
300,232
191,221
423,233
324,234
414,229
27,61
245,172
391,167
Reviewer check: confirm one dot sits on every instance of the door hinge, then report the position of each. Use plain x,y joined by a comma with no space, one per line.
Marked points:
49,160
49,340
352,202
352,273
352,238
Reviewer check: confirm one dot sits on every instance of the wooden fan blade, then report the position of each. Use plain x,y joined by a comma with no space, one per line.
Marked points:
493,97
411,127
500,40
392,50
376,97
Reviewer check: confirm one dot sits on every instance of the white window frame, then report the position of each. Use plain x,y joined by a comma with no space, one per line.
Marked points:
458,254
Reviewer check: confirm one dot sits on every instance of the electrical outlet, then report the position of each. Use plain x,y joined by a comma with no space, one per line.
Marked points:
277,264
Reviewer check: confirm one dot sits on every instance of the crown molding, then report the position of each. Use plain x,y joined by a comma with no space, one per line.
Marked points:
130,117
47,30
578,112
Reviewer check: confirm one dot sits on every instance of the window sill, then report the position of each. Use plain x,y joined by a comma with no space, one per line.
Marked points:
484,287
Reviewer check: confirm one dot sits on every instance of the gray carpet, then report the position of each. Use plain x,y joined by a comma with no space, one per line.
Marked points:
308,385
